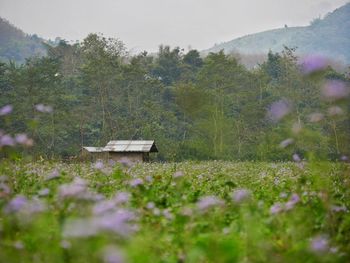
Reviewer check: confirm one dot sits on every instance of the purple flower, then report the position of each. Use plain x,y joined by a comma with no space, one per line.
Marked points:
335,90
336,208
319,244
117,222
167,214
292,201
149,178
44,192
136,182
207,202
111,162
279,109
99,165
7,109
76,189
23,139
150,205
241,195
296,158
54,174
104,206
122,197
295,198
276,208
178,174
286,142
344,158
22,204
6,140
312,63
16,204
112,255
126,162
42,108
34,206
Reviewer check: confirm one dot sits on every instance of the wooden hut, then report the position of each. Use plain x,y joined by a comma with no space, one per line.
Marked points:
130,151
93,153
121,151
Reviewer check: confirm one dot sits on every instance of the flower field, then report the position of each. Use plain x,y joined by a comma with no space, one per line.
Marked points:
176,212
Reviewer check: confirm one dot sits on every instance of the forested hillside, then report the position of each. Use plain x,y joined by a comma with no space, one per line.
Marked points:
15,45
195,108
329,36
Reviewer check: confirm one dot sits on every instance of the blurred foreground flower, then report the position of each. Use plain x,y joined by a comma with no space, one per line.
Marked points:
207,202
279,109
313,63
43,108
99,165
276,208
136,182
335,90
178,174
241,195
23,139
7,109
292,202
319,244
53,175
16,204
296,158
286,142
6,140
75,189
112,254
20,204
118,222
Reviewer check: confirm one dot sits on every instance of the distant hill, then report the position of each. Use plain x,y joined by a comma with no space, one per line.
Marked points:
329,36
16,45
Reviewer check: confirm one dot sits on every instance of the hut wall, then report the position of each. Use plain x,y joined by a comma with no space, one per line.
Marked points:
133,157
93,156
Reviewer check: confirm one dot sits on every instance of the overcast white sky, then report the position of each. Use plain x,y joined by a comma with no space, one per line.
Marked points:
145,24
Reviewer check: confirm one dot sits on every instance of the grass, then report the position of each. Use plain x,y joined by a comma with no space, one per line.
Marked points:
176,212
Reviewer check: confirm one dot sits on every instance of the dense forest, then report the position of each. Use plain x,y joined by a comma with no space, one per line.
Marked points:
195,107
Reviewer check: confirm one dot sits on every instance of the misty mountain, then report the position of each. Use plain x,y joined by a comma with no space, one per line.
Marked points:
329,37
15,45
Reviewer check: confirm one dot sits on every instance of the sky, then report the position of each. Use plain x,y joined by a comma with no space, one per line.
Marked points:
145,24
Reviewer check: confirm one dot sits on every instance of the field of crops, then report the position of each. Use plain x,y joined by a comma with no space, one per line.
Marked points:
184,212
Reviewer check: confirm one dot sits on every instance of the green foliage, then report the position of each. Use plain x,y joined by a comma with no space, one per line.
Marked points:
195,108
171,227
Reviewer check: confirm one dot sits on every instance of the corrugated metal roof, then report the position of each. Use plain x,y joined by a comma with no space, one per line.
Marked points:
94,149
131,146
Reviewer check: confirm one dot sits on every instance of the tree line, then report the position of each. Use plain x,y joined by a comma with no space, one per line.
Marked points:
195,107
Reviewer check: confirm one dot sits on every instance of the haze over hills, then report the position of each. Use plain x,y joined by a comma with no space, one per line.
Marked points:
15,45
329,37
